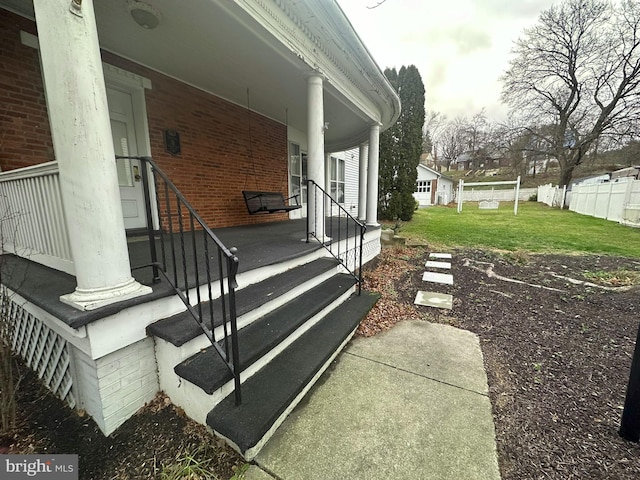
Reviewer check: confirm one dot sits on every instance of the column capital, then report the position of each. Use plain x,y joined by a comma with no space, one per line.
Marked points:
315,77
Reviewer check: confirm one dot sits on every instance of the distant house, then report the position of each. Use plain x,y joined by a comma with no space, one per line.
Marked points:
463,161
541,165
590,180
429,160
432,188
629,172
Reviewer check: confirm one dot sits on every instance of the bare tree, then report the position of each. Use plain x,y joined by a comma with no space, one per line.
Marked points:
577,70
434,123
452,142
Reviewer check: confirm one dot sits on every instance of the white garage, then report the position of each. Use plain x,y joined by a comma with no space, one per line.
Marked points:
432,188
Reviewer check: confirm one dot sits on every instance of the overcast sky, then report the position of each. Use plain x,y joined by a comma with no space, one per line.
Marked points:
461,47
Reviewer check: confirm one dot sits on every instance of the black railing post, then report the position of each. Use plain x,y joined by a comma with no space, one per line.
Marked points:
630,424
232,271
308,209
144,164
225,256
356,271
363,230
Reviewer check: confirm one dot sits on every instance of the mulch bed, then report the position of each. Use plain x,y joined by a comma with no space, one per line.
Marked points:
158,437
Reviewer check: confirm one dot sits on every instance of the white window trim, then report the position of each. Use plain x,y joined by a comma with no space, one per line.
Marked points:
337,180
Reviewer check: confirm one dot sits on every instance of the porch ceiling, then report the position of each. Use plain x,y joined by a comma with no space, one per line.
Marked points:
218,47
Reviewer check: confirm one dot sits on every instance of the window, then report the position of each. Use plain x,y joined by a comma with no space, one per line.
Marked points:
424,186
298,172
336,167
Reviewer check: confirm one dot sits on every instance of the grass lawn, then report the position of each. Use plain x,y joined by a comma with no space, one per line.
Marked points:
536,228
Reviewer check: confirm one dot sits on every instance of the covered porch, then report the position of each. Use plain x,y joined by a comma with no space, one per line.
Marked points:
259,248
200,101
179,83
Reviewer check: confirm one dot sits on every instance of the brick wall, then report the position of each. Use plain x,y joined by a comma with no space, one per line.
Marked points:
127,380
112,388
224,149
25,138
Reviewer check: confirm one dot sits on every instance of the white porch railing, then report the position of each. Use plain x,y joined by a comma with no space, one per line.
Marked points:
32,222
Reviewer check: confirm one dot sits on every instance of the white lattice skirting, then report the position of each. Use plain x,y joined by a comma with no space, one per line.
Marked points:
43,350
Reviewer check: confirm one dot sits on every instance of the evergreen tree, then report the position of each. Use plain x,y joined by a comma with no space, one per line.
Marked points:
401,147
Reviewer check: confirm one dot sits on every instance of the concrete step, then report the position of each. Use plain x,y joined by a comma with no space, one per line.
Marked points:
181,328
206,368
271,393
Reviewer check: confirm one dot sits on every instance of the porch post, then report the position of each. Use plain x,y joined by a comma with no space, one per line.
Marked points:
362,182
315,155
372,175
81,132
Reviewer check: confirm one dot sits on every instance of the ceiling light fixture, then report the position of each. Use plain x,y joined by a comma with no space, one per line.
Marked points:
144,14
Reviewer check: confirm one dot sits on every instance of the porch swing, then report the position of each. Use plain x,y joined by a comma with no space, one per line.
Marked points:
259,202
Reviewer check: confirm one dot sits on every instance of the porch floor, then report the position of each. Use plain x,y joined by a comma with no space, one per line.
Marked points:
258,246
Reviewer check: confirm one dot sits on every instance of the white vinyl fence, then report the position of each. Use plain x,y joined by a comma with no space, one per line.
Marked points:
552,196
616,201
500,194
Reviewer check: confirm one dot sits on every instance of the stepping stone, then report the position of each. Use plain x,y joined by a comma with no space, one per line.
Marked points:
434,277
440,255
433,299
434,264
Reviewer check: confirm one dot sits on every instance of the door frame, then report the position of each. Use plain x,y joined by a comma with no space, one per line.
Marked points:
135,85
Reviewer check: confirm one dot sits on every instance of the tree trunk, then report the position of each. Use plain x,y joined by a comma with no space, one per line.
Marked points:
566,174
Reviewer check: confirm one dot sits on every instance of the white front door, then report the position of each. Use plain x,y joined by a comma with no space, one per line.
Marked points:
125,144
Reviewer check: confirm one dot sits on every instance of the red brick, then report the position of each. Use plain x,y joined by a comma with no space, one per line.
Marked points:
219,157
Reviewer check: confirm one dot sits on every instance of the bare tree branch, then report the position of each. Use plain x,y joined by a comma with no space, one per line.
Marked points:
577,72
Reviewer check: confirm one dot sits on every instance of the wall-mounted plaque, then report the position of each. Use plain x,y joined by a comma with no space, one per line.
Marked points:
172,141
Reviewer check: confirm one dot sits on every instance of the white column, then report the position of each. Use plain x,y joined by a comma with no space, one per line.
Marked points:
515,204
362,182
315,154
81,132
372,175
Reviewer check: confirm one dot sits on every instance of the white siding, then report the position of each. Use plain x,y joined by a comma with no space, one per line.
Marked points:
351,176
351,179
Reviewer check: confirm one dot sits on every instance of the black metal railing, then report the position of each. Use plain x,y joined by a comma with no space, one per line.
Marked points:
193,261
345,233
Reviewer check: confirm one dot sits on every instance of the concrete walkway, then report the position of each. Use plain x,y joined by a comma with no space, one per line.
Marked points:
408,403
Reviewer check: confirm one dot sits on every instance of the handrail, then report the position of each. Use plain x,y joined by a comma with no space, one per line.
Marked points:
192,249
338,246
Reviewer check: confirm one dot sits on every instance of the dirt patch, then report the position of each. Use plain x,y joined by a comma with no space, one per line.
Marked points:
557,334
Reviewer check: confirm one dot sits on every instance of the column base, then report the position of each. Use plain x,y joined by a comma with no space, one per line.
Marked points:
373,225
323,240
91,299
